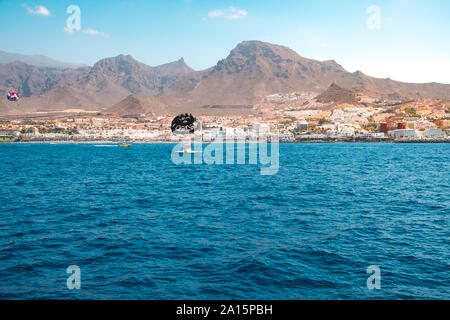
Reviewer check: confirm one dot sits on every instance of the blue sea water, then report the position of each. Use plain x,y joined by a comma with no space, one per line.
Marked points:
140,227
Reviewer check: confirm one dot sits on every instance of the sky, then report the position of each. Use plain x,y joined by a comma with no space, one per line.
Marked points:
406,40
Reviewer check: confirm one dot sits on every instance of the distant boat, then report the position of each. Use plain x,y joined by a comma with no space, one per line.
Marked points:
187,149
125,145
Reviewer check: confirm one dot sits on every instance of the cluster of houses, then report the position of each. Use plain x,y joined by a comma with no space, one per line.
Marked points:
417,129
345,123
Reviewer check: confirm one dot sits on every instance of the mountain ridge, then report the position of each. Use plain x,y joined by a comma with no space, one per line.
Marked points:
252,70
336,94
37,60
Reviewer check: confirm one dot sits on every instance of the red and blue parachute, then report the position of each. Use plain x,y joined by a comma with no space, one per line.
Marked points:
12,96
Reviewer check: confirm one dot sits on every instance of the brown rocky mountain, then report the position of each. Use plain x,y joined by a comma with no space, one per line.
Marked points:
255,69
37,60
252,71
138,78
135,105
92,88
336,94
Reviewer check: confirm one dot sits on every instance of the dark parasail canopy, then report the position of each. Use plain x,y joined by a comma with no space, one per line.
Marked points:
183,123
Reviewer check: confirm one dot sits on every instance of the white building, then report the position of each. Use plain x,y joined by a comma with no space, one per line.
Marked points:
301,125
9,134
218,133
408,134
376,135
287,137
434,133
339,130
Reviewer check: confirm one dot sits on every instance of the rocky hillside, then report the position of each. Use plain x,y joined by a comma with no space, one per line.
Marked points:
252,71
337,95
36,60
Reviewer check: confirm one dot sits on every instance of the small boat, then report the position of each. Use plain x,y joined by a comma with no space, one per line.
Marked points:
125,145
187,149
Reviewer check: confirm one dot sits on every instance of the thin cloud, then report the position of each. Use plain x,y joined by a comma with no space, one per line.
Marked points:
91,32
216,14
69,31
231,13
237,13
94,32
38,10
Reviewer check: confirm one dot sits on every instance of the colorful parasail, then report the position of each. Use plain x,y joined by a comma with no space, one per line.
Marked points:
12,96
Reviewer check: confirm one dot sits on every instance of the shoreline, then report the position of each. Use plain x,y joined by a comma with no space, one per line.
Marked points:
385,141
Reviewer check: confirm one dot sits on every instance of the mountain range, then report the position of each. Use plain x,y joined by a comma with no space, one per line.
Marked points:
124,86
36,60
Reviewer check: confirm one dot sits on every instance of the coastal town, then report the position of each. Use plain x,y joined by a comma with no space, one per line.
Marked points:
295,117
